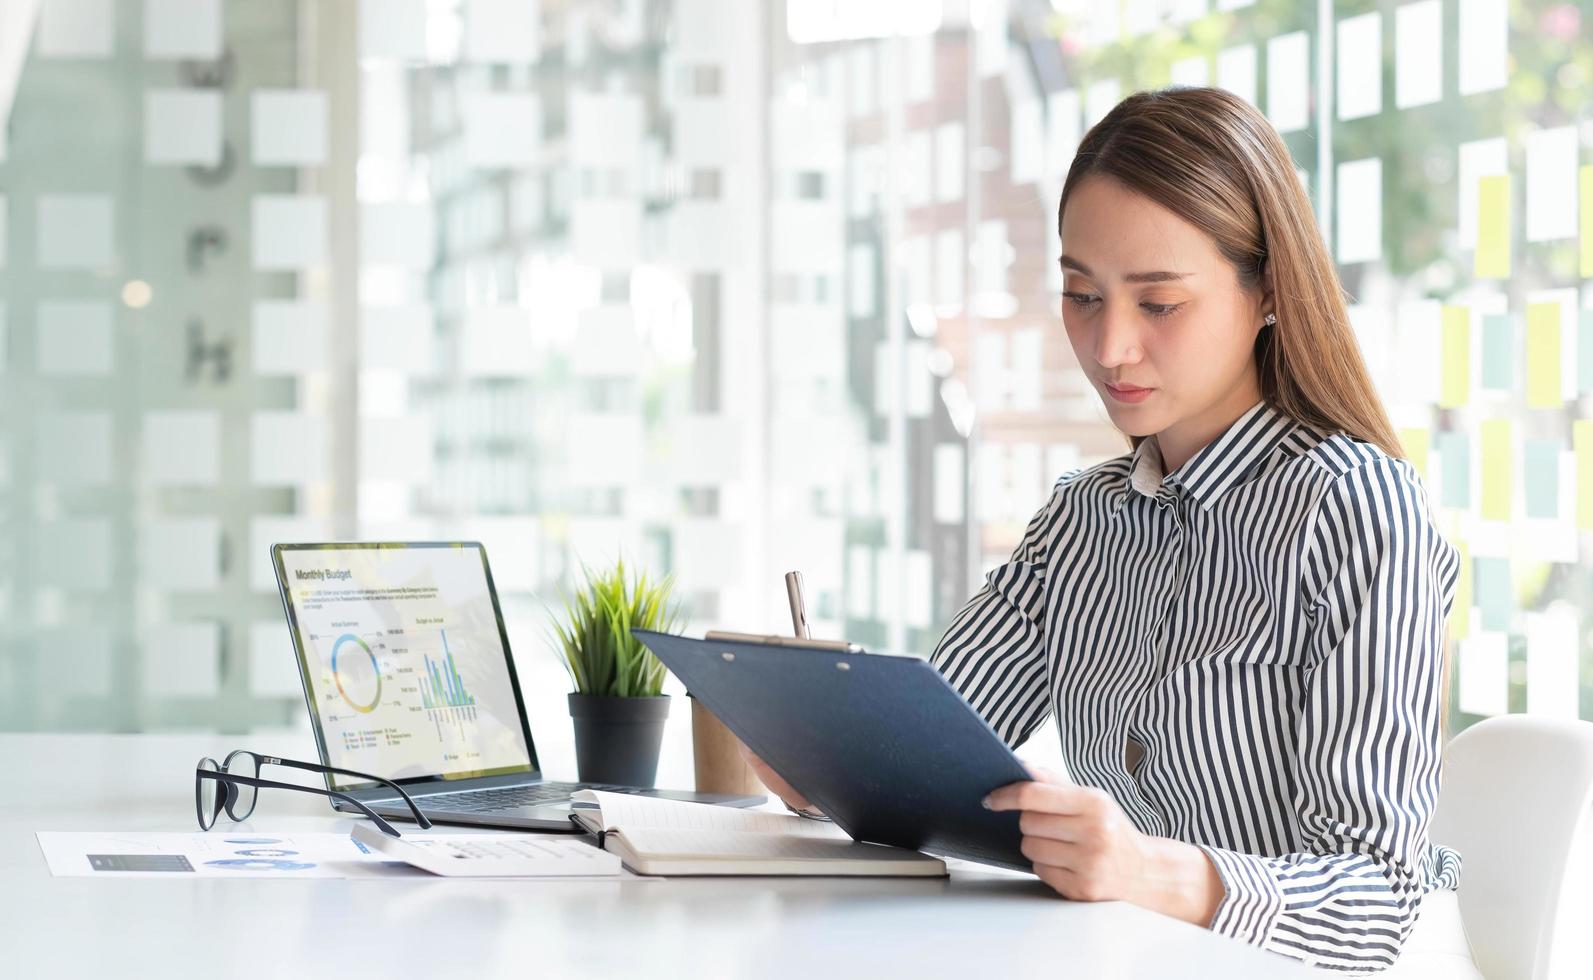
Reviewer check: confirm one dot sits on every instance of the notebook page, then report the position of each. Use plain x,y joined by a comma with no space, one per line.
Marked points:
633,812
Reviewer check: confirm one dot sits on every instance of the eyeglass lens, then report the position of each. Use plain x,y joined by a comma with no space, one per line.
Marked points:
241,803
205,791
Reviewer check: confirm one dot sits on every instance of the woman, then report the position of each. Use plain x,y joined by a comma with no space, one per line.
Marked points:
1240,624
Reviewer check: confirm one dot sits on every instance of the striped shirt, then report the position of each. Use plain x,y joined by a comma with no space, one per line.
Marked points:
1247,655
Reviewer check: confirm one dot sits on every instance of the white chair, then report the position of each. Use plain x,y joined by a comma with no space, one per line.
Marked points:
1516,791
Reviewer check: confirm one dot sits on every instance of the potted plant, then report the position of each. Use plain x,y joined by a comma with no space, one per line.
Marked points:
618,707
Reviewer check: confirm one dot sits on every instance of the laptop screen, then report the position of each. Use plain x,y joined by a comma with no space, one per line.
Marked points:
404,660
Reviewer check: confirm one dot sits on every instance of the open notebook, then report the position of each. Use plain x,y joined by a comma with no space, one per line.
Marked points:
671,837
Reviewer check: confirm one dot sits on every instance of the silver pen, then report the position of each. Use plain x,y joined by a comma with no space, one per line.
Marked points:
799,612
799,625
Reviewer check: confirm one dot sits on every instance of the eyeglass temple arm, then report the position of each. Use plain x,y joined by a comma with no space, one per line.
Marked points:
228,777
420,818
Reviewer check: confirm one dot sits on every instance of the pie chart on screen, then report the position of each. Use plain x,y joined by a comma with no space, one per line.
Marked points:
354,669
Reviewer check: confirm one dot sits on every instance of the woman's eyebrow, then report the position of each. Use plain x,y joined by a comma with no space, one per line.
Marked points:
1068,262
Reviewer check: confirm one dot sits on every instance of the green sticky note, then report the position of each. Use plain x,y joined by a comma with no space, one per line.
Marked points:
1492,584
1414,442
1454,389
1543,356
1454,450
1496,469
1460,612
1586,187
1584,354
1582,443
1493,227
1498,353
1542,477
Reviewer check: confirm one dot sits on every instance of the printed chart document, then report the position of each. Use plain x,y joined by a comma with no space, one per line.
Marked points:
498,856
368,853
672,837
212,855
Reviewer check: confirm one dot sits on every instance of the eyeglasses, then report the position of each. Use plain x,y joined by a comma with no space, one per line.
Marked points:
232,785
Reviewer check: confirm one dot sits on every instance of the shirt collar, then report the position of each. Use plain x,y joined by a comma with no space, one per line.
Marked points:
1222,464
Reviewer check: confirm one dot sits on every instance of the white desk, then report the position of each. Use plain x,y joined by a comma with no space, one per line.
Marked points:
976,924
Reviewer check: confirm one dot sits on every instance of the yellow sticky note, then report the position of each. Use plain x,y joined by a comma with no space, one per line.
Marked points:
1460,611
1543,356
1415,443
1455,356
1587,219
1496,469
1582,442
1493,227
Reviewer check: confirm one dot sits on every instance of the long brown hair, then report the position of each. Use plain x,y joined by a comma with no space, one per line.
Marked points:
1213,159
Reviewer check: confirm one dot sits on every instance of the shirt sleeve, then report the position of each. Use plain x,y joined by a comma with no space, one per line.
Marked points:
993,652
1377,582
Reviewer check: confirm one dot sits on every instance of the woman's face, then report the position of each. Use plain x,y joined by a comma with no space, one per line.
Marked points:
1155,314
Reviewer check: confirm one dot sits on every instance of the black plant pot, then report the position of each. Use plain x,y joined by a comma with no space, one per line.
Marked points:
617,739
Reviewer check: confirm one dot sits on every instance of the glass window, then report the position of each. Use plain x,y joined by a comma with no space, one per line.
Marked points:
730,288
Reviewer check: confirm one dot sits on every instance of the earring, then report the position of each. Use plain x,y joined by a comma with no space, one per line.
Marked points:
1271,319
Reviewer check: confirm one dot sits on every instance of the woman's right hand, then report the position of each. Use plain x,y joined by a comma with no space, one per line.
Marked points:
779,787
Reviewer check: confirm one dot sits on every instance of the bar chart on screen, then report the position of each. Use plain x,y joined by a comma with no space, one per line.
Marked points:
443,693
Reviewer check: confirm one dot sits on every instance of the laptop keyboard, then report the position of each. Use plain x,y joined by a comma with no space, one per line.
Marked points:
511,797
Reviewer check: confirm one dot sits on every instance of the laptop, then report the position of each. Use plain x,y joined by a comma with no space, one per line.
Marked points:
407,673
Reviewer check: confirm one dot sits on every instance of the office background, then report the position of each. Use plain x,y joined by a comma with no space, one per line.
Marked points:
731,286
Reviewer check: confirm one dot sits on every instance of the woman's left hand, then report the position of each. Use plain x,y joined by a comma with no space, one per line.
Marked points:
1083,846
1081,842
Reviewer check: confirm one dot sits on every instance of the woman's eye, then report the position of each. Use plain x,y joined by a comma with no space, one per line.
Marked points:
1089,301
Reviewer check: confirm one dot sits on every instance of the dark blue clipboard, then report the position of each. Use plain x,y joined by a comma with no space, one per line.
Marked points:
882,744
